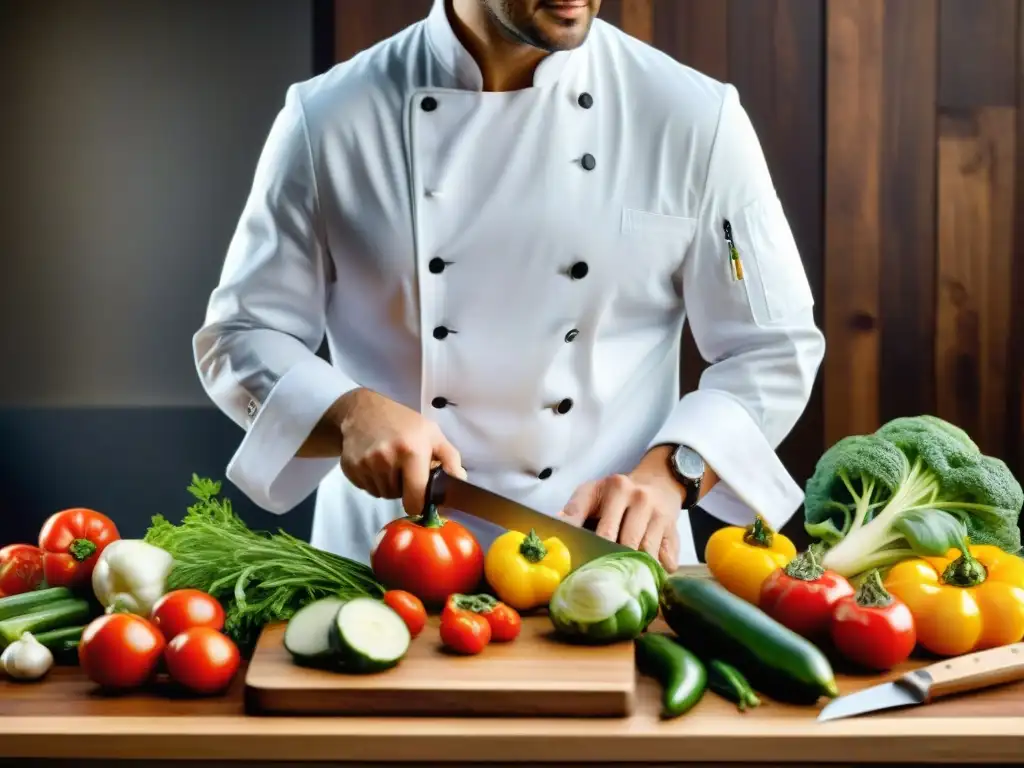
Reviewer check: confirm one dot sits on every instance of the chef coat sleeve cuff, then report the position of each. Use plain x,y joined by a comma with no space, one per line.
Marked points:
752,479
265,467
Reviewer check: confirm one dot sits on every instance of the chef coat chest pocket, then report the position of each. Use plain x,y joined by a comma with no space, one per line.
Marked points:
656,242
773,275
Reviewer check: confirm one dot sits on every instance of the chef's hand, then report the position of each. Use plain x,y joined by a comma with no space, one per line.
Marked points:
639,510
388,450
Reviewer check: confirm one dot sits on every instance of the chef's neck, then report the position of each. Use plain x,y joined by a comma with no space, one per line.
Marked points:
506,65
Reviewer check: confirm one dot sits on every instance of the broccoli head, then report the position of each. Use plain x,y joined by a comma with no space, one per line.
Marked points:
917,486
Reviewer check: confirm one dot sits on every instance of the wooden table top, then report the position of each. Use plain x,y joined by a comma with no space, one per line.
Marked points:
63,717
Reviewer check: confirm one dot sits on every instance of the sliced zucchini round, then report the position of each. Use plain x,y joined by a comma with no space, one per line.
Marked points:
307,636
369,636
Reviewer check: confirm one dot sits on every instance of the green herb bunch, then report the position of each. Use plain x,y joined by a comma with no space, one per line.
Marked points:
258,577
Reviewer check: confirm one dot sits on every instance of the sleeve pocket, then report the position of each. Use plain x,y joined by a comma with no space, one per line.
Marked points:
774,276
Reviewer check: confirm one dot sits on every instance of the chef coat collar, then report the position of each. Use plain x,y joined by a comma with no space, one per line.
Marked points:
460,63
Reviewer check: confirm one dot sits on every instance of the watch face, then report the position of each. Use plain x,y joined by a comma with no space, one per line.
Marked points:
689,463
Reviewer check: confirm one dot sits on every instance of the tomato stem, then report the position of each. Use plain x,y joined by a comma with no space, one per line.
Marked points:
805,566
759,534
965,571
474,603
82,549
430,518
533,548
872,592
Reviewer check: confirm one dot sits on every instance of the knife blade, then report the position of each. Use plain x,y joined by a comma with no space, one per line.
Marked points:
443,490
945,678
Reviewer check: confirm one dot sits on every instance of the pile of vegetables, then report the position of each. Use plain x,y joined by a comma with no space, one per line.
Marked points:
918,546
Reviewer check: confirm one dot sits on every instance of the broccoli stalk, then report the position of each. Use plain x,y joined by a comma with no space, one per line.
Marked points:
918,486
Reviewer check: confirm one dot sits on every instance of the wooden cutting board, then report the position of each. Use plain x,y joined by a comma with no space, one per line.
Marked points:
531,676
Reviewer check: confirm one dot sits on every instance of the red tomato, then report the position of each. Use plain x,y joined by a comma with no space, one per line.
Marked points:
186,608
802,596
120,650
429,556
874,629
202,660
409,607
21,569
505,623
72,541
465,632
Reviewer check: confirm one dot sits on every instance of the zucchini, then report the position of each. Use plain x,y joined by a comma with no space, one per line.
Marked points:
64,613
368,636
307,636
27,602
715,623
682,676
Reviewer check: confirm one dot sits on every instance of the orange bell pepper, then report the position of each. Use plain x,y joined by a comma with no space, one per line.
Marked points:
741,559
963,603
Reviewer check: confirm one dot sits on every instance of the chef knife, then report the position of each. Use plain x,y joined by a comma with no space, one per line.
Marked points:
443,490
945,678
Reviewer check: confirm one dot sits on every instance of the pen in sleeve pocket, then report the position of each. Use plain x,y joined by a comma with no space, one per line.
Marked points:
734,254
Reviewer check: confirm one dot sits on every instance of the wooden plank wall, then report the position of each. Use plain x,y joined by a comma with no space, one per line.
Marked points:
891,127
921,169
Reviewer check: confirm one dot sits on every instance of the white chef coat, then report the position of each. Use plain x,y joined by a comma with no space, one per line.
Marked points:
561,234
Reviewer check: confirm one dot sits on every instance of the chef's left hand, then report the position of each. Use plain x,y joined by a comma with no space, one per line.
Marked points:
639,510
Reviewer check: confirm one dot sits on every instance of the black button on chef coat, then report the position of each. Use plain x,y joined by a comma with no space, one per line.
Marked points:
585,100
545,473
439,402
436,265
441,333
588,162
579,270
564,406
429,104
571,335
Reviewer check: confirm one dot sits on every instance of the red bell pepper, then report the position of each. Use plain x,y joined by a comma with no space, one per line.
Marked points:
802,595
873,628
72,542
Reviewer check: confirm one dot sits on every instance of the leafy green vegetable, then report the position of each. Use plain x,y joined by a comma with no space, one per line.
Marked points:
917,486
258,577
609,599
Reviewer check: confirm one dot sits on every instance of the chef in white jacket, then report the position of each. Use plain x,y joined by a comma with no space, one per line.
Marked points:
500,218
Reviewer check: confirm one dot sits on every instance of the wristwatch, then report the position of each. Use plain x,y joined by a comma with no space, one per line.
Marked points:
688,468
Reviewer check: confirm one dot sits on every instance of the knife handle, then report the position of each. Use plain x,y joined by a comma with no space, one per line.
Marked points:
975,670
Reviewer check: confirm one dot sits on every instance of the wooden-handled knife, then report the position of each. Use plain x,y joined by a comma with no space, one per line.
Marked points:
945,678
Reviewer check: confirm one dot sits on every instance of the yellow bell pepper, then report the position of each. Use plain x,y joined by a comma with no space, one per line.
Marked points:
524,570
742,558
963,604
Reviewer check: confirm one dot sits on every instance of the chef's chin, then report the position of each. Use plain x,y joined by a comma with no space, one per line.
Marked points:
550,26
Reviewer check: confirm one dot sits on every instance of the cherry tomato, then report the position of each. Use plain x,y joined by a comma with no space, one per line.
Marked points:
465,632
803,595
120,650
429,556
21,569
72,542
873,628
505,623
184,609
409,607
202,660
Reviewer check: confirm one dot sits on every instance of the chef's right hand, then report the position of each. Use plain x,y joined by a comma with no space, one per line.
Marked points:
388,449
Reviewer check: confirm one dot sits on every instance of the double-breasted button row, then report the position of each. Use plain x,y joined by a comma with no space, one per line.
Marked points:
577,271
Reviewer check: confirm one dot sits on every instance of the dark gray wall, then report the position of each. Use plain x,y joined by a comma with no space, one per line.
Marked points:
129,134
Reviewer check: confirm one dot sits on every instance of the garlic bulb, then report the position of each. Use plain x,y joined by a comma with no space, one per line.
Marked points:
26,658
